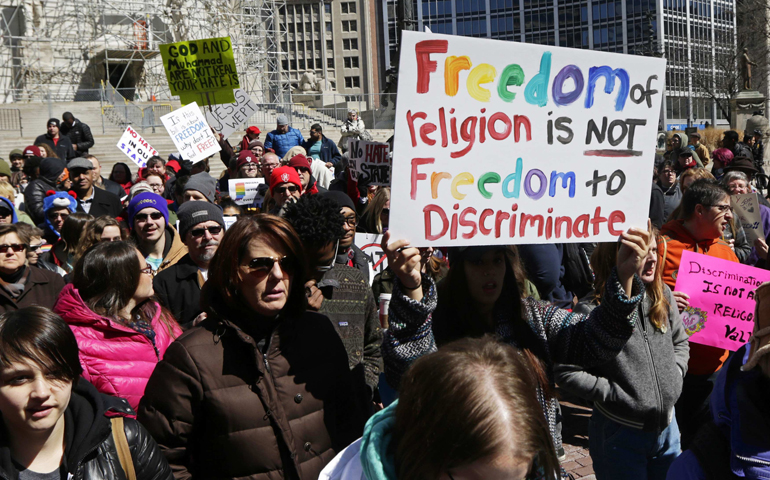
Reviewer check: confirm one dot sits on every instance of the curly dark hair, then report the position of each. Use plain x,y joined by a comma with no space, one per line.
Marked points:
317,220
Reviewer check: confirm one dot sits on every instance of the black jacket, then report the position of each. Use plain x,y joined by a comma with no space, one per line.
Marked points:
179,290
34,195
90,450
80,135
42,288
102,203
63,147
358,259
329,151
112,187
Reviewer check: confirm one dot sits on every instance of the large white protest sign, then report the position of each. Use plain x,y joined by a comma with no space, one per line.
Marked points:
246,191
370,162
369,243
190,133
746,208
135,147
227,118
506,143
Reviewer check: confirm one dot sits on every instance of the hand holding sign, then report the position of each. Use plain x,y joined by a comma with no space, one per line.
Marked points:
405,263
636,245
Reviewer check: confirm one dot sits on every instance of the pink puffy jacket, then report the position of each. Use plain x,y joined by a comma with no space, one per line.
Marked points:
116,359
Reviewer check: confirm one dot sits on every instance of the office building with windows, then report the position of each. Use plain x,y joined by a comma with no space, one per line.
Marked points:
333,39
695,36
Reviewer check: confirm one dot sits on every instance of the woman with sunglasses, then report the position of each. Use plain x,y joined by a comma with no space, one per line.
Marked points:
121,330
261,385
159,242
22,285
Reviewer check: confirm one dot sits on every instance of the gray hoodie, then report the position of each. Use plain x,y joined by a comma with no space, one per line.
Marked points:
640,386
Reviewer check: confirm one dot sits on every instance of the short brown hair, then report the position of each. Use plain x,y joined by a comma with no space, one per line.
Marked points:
38,335
219,294
8,228
470,400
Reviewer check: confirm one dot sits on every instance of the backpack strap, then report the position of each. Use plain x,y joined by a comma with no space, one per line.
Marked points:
121,445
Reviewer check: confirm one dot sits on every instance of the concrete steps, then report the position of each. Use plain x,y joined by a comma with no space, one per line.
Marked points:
106,135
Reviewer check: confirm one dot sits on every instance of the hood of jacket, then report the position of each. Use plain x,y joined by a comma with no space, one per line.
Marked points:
675,229
368,457
8,203
73,309
739,408
58,200
87,425
51,169
174,249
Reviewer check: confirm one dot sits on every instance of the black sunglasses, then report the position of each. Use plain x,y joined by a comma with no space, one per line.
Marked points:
199,232
291,188
264,265
4,212
142,217
54,215
16,247
386,211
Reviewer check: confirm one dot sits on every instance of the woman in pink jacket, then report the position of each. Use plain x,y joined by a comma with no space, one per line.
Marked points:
121,331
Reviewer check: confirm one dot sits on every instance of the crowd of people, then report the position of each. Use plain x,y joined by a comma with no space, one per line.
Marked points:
151,327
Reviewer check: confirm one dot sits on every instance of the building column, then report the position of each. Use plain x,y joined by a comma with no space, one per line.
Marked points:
489,19
420,27
624,16
521,21
690,116
556,22
454,17
591,24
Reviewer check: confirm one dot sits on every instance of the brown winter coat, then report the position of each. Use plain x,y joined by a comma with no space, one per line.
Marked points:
220,409
42,288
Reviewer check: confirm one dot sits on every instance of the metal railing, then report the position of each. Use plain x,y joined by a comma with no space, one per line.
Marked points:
10,120
377,110
120,111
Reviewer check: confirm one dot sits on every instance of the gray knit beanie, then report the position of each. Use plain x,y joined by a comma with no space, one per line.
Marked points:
191,214
204,183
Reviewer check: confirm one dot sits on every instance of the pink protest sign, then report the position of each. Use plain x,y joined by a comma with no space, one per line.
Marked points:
721,311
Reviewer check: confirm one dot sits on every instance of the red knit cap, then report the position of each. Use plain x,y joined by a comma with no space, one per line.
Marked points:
245,157
300,161
283,175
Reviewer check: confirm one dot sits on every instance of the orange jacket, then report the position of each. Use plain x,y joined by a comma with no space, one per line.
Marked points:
675,239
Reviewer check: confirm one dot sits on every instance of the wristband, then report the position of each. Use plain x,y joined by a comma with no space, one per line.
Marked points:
404,287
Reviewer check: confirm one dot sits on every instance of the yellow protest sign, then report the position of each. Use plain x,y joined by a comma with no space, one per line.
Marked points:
201,70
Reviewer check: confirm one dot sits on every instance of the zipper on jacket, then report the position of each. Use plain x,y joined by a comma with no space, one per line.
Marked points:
658,395
755,461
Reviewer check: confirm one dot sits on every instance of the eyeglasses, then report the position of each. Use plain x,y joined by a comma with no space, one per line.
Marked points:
156,186
264,265
199,232
290,188
54,215
668,172
269,165
4,212
385,211
351,221
16,247
35,248
147,270
142,217
721,208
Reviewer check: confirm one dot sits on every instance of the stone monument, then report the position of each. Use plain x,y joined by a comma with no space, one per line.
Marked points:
748,102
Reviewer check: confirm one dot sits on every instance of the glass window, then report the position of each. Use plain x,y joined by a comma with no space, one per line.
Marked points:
329,45
344,8
354,44
330,62
328,7
352,7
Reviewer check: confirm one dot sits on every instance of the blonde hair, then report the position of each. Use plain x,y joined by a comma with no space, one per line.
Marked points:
7,191
374,210
603,261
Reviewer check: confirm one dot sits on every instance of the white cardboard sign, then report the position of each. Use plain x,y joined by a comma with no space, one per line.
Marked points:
371,162
190,133
369,243
746,207
245,191
229,117
135,147
502,142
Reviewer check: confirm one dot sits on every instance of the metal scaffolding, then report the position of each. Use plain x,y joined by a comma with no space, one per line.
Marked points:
63,50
